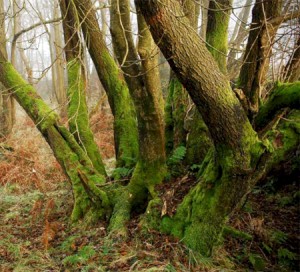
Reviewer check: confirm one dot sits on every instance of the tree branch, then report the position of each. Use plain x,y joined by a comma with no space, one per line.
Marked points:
283,96
283,18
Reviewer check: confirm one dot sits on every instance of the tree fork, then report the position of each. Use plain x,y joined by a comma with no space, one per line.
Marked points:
227,178
65,148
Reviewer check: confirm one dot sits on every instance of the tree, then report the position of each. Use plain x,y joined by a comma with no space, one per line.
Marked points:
227,176
125,132
6,101
242,152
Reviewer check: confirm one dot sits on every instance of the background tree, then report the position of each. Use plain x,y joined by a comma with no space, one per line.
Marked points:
6,102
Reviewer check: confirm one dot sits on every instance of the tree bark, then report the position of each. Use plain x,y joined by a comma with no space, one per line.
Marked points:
225,176
258,51
217,31
142,76
6,102
125,131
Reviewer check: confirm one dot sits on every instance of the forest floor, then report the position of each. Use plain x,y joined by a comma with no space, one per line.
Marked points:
36,234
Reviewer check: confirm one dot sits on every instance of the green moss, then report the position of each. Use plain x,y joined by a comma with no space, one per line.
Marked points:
217,29
78,115
42,115
125,125
284,95
198,141
169,122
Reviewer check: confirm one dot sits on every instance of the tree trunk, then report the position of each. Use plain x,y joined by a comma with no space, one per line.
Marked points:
58,64
226,176
258,51
292,69
6,102
125,131
144,85
90,202
239,35
77,106
204,12
217,29
283,96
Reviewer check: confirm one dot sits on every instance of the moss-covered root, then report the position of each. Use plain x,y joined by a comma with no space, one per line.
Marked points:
135,194
88,199
202,214
90,202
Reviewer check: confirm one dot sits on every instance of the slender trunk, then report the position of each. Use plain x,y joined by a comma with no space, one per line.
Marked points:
217,29
27,65
58,64
125,131
258,51
6,109
238,37
77,106
204,12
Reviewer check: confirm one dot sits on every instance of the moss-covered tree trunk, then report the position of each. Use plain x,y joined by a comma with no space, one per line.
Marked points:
283,96
227,175
217,31
77,106
142,75
125,131
90,202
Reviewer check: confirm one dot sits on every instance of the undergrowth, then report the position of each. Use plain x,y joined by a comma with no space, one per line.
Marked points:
36,234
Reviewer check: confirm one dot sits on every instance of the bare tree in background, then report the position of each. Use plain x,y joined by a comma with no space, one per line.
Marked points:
7,109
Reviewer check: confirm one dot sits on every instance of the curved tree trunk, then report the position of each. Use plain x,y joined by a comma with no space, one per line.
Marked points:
125,131
90,202
227,176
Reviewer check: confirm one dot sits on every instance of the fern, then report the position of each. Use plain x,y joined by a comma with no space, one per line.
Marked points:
285,254
122,172
177,156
